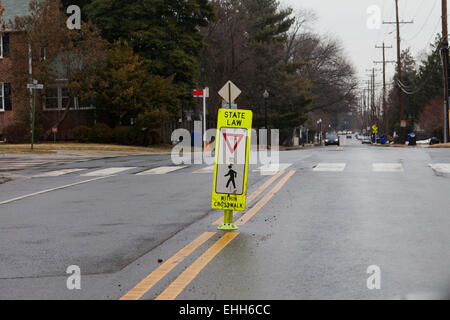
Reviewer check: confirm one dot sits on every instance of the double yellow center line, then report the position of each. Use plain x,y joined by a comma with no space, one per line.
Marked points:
187,276
142,287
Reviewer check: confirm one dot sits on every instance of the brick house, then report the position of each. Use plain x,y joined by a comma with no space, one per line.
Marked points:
50,102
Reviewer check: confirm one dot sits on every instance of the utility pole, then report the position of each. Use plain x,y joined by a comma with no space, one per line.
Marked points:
366,107
372,85
445,63
384,62
373,97
399,73
369,90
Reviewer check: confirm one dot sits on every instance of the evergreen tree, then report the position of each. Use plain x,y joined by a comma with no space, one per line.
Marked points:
125,91
164,33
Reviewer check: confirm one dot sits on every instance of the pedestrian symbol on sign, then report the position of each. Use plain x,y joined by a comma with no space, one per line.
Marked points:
232,174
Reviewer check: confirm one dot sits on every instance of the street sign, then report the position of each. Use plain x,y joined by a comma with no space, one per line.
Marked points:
55,130
229,92
403,124
375,129
35,86
226,105
231,163
198,93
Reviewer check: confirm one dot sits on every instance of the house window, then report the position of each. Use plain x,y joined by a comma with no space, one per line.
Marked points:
4,45
57,97
5,97
64,97
51,99
2,96
43,54
83,104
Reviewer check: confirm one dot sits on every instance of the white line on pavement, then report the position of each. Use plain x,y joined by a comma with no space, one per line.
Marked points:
160,170
330,167
440,167
57,173
272,168
209,169
53,189
387,167
107,172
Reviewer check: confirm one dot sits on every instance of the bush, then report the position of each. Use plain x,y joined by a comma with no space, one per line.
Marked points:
154,138
81,133
17,132
136,136
121,135
101,133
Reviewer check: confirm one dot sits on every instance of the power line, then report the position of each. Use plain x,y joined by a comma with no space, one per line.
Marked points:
412,91
418,9
399,72
426,20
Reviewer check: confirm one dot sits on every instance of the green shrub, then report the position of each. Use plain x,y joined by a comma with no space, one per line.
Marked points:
81,133
154,138
121,135
17,132
136,136
101,133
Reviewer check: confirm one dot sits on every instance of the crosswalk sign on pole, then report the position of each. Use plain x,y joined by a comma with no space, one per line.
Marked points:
375,129
231,163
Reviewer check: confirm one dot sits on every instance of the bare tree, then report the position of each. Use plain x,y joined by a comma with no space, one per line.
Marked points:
73,55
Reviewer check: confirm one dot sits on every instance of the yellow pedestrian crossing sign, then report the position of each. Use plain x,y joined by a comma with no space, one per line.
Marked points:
374,129
231,159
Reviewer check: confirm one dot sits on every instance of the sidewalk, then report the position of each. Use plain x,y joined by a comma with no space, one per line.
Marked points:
79,149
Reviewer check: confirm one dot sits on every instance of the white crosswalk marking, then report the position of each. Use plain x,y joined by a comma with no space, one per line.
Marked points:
57,173
440,167
160,170
330,167
272,168
21,164
107,172
387,167
209,169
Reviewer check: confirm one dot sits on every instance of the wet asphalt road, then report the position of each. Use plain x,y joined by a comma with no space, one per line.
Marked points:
314,239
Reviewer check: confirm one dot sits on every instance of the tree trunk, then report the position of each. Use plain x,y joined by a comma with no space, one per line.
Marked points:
49,132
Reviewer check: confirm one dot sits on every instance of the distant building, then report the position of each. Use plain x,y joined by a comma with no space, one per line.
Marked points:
51,101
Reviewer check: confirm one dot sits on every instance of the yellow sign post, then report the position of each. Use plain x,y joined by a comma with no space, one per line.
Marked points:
231,163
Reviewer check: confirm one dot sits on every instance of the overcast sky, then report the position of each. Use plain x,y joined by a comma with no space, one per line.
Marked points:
347,20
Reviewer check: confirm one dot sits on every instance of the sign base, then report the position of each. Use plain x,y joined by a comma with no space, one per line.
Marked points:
227,224
227,227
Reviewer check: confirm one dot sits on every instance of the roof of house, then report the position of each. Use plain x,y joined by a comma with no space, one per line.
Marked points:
15,8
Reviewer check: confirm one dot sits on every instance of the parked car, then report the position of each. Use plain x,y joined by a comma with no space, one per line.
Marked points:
332,139
366,140
434,140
